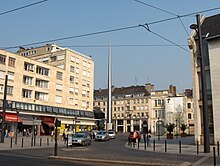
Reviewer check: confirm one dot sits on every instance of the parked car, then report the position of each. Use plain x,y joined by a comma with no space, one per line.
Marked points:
111,134
81,138
102,136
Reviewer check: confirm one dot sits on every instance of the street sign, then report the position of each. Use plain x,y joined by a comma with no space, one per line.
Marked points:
37,122
145,126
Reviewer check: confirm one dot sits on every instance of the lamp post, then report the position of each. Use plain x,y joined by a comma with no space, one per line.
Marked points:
16,131
158,127
197,28
74,124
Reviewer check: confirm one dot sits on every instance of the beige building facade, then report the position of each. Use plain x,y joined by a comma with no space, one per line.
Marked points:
45,83
130,106
211,47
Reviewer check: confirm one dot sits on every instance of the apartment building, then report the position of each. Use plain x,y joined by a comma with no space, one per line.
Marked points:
211,46
45,83
130,106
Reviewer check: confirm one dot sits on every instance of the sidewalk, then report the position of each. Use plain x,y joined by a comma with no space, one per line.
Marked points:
181,146
28,143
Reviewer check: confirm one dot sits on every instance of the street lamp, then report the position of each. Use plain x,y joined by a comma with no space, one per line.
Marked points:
197,28
16,131
158,127
74,124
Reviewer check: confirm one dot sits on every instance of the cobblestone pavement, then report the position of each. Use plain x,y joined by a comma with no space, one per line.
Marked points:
118,150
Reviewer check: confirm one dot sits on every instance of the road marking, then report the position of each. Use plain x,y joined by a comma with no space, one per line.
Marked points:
200,161
16,155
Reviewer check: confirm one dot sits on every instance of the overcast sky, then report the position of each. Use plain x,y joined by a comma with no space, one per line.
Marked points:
138,56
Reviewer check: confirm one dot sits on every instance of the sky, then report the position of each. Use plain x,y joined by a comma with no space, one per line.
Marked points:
139,55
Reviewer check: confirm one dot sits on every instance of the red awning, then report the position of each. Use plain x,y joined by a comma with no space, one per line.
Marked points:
12,118
49,124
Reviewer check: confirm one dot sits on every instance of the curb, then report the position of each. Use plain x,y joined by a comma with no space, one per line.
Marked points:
118,161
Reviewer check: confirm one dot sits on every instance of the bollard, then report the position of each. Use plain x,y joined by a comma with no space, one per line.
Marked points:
218,147
197,143
165,145
67,141
138,143
154,145
22,142
214,156
11,143
180,146
145,145
40,141
47,141
32,142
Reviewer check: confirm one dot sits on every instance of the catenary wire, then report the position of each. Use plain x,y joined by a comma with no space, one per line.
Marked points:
124,45
165,12
9,11
168,40
111,30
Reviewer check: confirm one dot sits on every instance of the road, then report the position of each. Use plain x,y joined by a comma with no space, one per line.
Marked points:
113,150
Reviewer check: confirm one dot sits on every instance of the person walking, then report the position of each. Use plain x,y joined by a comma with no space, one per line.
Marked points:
148,139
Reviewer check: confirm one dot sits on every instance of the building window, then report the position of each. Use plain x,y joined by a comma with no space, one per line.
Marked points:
59,87
59,75
41,96
26,93
11,62
2,59
10,90
27,80
71,79
41,83
155,103
28,67
11,76
2,74
71,68
58,99
189,105
1,88
71,90
42,71
189,116
84,93
53,58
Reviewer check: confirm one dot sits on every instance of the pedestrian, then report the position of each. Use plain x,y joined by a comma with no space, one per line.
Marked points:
148,139
51,134
64,137
6,133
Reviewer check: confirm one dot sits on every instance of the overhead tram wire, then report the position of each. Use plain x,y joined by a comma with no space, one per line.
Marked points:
9,11
148,29
77,36
124,45
112,30
165,11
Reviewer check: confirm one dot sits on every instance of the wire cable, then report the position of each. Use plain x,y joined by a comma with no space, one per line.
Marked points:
165,12
111,30
9,11
123,45
147,28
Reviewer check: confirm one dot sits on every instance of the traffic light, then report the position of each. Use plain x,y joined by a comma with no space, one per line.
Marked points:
58,123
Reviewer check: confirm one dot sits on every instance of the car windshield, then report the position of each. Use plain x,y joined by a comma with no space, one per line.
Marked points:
78,135
101,132
111,132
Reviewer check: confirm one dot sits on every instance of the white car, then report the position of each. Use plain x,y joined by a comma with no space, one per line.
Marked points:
102,136
111,134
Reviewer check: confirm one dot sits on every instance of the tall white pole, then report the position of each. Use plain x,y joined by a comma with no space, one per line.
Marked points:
109,103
